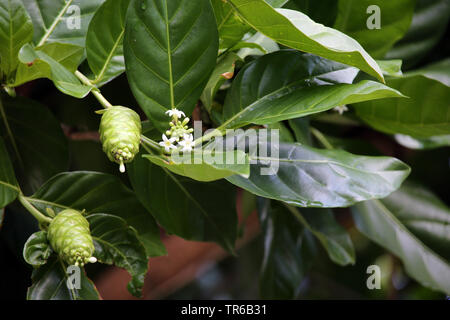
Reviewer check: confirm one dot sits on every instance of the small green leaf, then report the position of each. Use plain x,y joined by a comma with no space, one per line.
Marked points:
190,209
205,165
301,84
8,184
224,70
104,41
67,55
63,79
296,30
16,29
117,243
99,193
170,50
37,250
50,283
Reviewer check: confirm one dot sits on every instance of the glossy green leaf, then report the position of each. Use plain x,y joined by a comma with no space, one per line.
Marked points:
170,49
224,70
8,184
424,214
104,41
333,237
392,68
16,29
37,250
117,243
289,251
296,30
190,209
99,193
309,177
39,148
439,71
67,55
424,114
50,283
205,165
261,45
428,25
354,17
230,26
300,85
423,143
375,220
63,21
63,78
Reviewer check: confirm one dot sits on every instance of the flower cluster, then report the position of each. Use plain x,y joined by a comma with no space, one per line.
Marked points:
179,133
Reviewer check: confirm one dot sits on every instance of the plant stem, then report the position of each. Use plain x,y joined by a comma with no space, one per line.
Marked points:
95,91
152,144
35,212
216,132
321,138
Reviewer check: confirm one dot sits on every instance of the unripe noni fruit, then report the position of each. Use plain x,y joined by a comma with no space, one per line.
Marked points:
70,237
120,133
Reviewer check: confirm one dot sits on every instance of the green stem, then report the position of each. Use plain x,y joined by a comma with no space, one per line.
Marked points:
321,138
35,212
216,132
95,91
152,144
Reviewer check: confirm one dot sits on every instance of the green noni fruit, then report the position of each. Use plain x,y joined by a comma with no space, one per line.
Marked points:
70,237
120,133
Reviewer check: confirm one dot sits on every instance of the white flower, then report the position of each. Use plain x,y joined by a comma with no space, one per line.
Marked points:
187,143
341,109
175,112
167,143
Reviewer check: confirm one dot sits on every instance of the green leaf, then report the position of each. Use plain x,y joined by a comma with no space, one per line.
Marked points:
50,283
301,84
439,71
63,79
190,209
428,25
289,250
170,49
394,16
117,243
67,55
16,29
375,220
334,178
423,115
423,143
296,30
56,20
333,237
37,250
224,70
424,214
99,193
104,41
231,28
256,45
8,184
205,165
392,68
38,147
